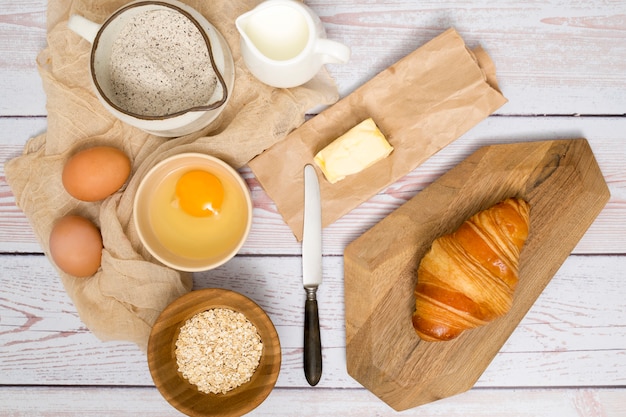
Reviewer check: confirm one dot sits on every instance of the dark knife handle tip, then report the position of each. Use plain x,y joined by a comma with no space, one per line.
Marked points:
312,343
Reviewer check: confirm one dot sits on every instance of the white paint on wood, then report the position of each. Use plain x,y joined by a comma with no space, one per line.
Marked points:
572,336
552,58
314,402
270,235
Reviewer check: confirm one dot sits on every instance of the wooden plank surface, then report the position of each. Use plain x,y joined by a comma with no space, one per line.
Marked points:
572,336
561,64
552,57
115,402
22,37
270,234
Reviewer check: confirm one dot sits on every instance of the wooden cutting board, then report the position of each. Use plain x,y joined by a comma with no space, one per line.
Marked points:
566,191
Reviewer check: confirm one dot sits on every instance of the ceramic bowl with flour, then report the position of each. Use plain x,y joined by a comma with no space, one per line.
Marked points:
159,66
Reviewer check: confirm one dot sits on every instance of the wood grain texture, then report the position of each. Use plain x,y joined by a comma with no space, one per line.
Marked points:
183,395
549,55
270,235
116,402
552,57
565,190
572,336
555,60
22,37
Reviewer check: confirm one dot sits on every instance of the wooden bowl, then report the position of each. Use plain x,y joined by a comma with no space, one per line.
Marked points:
185,396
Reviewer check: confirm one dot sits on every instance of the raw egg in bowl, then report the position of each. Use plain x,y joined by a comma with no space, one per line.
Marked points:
193,212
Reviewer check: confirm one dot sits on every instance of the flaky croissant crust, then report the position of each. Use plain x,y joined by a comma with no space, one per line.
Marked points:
467,278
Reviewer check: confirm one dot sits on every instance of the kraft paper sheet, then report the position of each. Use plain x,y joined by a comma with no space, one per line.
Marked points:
421,104
123,299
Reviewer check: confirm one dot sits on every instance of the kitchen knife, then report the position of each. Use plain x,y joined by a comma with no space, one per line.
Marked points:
312,275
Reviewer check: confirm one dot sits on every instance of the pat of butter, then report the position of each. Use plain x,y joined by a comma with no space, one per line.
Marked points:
358,148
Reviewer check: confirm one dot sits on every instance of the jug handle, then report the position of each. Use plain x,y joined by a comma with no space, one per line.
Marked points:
333,52
84,27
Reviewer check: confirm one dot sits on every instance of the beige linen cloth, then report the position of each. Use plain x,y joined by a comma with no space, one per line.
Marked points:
124,298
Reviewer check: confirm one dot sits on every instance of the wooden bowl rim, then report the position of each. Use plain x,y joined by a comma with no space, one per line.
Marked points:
187,399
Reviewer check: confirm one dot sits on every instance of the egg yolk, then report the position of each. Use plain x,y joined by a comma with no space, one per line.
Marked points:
199,193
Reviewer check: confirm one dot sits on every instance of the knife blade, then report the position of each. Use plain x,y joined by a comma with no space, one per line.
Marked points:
312,275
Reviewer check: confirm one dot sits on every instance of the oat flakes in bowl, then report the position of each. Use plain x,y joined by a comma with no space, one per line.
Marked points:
218,350
214,352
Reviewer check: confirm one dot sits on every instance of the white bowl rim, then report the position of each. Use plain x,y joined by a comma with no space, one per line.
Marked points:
237,178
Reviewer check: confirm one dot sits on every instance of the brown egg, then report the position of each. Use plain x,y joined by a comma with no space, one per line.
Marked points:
76,246
94,174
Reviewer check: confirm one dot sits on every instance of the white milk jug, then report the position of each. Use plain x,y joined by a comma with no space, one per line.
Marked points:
283,43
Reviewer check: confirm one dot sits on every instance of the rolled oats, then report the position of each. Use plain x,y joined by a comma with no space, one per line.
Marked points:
218,350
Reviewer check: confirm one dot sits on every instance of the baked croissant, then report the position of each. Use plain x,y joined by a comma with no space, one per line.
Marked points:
467,278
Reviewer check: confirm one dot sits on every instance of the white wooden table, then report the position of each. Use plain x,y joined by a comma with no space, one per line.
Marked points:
561,64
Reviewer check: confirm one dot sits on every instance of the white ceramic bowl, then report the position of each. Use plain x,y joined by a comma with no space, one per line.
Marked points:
181,123
165,238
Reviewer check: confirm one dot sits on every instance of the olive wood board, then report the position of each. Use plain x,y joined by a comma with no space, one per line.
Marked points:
566,191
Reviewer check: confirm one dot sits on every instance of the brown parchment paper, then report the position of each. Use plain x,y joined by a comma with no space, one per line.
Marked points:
421,104
122,301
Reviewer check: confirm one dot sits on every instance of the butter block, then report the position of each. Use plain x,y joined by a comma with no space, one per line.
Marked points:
358,148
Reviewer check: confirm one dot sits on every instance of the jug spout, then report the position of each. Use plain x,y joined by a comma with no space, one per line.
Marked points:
241,23
83,27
